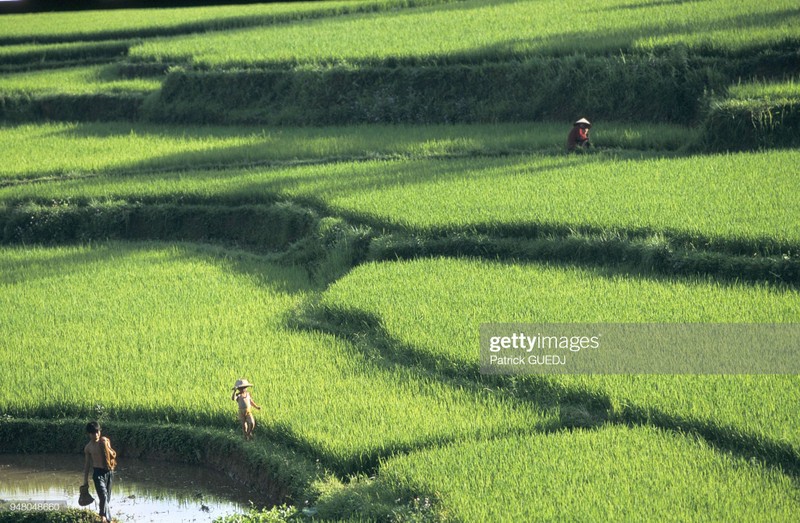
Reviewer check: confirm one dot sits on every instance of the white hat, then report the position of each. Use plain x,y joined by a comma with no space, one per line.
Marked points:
241,384
583,120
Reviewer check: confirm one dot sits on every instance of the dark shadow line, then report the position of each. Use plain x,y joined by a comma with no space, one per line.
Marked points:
214,25
637,252
578,408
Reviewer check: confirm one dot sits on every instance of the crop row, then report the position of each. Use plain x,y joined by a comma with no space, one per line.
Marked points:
63,149
435,306
610,474
715,200
476,31
168,329
137,23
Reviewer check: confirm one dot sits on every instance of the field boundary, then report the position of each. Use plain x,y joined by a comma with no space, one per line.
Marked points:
277,473
578,408
212,24
310,233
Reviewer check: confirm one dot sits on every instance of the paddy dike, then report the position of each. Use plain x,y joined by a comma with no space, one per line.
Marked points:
306,232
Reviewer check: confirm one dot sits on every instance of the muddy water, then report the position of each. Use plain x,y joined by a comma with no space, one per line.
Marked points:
141,490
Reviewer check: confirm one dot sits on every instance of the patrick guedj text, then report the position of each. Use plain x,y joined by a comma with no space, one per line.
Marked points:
521,342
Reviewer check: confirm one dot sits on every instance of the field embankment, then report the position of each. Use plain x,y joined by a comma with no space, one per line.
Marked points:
668,215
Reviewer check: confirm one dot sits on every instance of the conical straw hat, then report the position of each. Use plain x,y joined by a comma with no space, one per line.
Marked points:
242,383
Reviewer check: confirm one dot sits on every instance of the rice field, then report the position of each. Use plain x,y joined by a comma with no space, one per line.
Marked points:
367,365
764,93
475,31
60,149
614,474
98,25
127,313
434,308
746,196
74,81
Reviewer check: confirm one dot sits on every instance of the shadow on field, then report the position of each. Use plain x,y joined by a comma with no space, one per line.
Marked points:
577,408
625,37
221,23
646,5
276,213
370,341
23,267
333,177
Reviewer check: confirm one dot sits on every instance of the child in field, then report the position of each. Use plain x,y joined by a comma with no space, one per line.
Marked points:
242,396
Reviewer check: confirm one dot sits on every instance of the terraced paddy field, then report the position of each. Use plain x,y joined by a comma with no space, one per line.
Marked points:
330,198
342,365
483,31
79,149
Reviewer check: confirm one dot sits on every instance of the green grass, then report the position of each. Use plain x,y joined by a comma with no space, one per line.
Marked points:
27,56
92,148
611,474
434,307
743,197
99,24
757,114
765,92
74,81
167,330
476,31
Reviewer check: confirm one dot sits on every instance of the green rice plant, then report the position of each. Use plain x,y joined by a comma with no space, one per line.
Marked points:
755,115
666,88
159,333
74,81
714,201
477,31
54,149
434,308
780,92
86,93
25,56
67,515
135,23
611,474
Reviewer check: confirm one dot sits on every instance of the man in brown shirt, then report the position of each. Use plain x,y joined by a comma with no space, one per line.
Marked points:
102,458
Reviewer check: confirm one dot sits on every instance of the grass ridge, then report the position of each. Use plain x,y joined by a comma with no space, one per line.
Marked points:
293,224
578,408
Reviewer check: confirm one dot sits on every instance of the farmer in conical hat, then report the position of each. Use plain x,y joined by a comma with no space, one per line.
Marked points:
578,137
242,396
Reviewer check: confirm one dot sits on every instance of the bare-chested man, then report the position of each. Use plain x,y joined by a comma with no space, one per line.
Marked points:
99,456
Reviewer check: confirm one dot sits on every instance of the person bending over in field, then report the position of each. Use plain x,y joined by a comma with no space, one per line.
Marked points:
578,138
103,459
242,396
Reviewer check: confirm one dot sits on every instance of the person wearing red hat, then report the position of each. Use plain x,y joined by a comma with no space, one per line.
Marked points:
242,396
578,137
